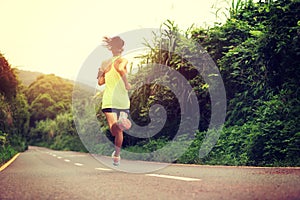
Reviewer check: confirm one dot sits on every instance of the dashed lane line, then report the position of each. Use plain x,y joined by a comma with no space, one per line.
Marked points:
174,177
106,169
103,169
78,164
152,175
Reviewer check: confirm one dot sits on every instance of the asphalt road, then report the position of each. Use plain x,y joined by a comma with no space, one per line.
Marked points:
40,173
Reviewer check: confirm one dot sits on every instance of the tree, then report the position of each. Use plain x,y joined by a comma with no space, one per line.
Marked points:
48,96
14,116
8,79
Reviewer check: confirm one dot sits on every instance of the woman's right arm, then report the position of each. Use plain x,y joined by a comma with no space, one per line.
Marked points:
101,73
101,78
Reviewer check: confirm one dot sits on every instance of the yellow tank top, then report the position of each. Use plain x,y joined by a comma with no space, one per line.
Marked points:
115,94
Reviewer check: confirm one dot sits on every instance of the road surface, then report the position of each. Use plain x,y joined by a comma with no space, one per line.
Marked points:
41,173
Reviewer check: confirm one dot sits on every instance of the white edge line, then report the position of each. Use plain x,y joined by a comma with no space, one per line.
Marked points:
103,169
174,177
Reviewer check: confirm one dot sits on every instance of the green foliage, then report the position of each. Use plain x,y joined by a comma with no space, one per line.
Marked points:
148,95
159,150
48,96
14,115
233,146
20,114
6,153
256,51
270,139
90,121
42,132
68,143
281,49
173,50
278,138
59,133
13,125
8,80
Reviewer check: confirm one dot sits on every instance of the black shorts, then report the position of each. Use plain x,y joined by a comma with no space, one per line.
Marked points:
115,110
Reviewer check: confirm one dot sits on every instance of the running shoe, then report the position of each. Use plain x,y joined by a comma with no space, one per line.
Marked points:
116,159
124,123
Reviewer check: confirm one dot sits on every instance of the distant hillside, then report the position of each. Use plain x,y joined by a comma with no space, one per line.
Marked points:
27,77
80,90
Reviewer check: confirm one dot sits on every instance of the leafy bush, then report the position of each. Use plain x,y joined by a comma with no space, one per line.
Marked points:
278,140
68,143
159,150
256,51
270,139
6,153
59,133
14,116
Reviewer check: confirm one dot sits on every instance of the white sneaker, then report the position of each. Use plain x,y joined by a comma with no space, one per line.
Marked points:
116,159
124,123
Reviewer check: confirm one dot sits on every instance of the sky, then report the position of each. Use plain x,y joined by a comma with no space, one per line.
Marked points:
57,36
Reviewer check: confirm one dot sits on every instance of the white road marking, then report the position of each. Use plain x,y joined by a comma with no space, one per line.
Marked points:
103,169
59,157
78,164
66,160
54,155
174,177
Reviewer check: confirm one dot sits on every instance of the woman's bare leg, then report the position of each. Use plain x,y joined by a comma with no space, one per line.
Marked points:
115,131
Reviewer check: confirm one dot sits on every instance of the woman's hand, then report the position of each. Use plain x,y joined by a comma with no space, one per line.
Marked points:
100,77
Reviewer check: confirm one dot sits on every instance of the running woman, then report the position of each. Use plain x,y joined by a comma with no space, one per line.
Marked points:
115,102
